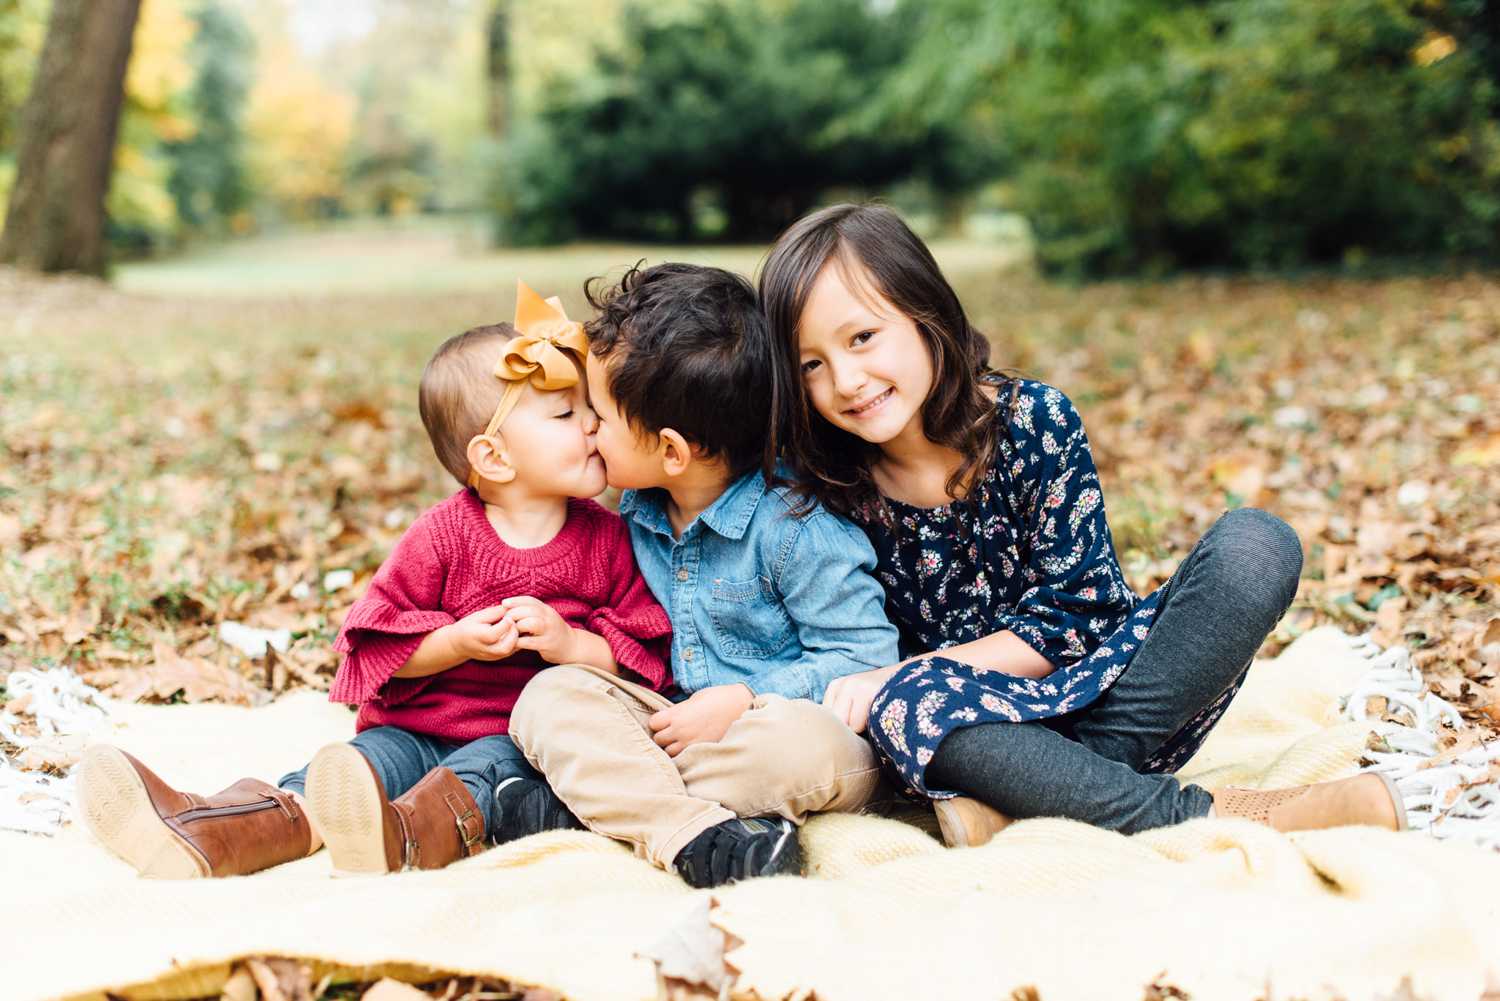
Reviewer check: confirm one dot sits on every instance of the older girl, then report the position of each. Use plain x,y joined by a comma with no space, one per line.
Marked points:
1036,682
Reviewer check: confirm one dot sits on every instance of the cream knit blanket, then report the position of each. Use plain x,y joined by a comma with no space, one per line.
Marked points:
1220,909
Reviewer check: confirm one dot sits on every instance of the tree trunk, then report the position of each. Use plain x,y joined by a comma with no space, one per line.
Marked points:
498,70
67,141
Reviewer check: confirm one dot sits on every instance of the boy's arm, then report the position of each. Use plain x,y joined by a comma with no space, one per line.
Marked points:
838,608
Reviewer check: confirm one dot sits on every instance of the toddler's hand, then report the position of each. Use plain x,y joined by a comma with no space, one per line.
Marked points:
706,715
540,628
483,635
850,696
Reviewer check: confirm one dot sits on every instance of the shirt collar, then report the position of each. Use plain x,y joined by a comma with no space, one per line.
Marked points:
729,515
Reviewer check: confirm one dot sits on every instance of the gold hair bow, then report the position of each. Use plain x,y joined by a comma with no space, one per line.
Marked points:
547,353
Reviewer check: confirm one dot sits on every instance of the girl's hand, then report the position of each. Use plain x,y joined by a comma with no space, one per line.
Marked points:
541,629
850,696
706,715
482,635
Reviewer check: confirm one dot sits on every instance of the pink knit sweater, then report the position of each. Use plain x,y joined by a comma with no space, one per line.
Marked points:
450,563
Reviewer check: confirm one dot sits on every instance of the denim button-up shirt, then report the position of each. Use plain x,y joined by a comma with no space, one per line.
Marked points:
779,602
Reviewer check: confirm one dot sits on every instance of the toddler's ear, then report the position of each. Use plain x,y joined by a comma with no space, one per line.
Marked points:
676,454
489,458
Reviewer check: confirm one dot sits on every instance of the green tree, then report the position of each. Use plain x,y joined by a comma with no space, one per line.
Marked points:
208,180
726,120
1146,135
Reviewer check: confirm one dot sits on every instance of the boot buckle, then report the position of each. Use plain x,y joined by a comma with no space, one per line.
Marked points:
470,825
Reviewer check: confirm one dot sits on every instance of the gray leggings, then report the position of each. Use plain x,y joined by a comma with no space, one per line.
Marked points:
1222,602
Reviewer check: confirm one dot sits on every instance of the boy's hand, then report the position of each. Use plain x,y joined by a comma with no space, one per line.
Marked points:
483,635
706,715
541,629
850,696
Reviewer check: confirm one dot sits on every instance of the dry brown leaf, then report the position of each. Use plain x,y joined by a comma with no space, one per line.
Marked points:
1241,473
281,979
1485,452
198,679
55,755
1388,619
1488,702
239,987
81,623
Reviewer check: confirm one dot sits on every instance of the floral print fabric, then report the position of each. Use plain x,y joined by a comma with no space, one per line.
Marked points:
1030,552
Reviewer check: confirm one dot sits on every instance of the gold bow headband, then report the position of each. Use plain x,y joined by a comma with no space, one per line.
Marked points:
547,353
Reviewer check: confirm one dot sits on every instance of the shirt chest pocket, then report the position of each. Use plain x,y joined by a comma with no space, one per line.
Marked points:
748,619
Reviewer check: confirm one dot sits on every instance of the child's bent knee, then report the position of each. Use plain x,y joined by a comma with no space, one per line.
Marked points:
547,695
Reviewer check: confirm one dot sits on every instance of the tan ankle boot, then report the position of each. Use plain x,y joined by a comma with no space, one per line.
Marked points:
967,823
1369,799
434,823
168,834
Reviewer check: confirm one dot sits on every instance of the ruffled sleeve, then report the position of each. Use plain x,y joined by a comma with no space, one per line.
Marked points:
1077,593
385,627
631,621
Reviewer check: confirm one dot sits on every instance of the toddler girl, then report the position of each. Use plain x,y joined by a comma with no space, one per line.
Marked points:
513,573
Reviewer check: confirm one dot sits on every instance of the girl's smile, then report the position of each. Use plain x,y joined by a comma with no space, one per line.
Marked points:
869,408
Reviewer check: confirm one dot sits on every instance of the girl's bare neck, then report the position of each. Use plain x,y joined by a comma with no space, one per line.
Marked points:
917,474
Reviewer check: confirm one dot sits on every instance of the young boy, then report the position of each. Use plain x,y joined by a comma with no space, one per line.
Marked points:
767,605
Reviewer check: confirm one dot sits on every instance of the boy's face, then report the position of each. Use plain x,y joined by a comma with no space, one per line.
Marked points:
631,461
550,438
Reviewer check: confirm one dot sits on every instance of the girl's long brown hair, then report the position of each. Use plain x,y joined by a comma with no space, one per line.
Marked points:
833,465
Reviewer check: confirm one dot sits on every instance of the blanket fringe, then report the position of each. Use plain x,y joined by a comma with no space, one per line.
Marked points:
62,705
1452,793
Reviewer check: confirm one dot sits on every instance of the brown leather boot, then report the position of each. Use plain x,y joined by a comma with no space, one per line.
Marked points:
1369,799
434,823
967,823
168,834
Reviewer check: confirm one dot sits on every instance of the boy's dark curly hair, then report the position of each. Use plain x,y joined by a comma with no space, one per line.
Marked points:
686,347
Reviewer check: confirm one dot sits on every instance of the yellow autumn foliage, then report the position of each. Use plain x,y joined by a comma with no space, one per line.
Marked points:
156,82
299,129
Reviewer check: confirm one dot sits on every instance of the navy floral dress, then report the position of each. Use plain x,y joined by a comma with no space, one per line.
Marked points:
1030,551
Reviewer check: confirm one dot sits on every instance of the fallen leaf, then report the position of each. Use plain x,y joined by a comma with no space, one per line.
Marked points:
1481,453
55,755
81,623
1388,619
239,987
198,679
281,979
1242,474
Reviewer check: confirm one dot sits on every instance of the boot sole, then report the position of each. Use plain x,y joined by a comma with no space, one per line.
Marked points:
344,798
118,811
1398,805
950,824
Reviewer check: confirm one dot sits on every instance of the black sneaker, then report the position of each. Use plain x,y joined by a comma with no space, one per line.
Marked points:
740,849
528,806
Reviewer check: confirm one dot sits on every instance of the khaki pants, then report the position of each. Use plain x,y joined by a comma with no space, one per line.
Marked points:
586,730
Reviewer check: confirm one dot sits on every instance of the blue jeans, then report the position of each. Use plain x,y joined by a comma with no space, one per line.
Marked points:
400,758
1220,605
